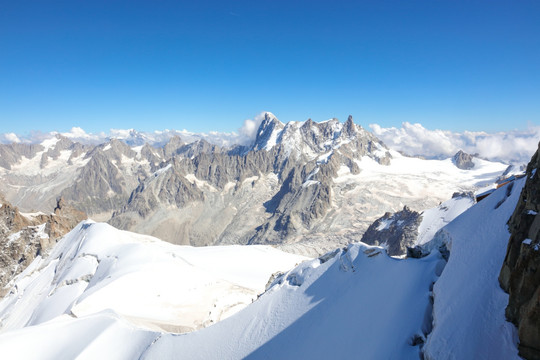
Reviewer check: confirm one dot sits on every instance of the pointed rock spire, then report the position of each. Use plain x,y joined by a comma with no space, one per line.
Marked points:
348,127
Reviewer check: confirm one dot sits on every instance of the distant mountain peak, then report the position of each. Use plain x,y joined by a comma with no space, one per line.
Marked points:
268,132
310,139
463,161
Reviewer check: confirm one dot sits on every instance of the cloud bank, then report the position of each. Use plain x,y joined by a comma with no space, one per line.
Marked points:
245,135
414,139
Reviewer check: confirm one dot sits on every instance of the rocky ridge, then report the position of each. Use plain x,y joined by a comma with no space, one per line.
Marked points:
520,273
24,236
395,231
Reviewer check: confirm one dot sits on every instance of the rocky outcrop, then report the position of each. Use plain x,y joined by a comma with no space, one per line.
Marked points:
396,232
12,153
463,161
101,186
520,273
25,236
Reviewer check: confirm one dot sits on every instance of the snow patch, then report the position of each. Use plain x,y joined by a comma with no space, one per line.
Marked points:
200,183
309,183
162,170
50,143
384,224
323,159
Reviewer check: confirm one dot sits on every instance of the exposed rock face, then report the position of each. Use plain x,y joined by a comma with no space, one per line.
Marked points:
520,274
12,153
25,236
396,231
463,160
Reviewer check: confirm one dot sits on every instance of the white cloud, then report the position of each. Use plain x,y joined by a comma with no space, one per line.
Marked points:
245,135
77,134
9,138
249,130
414,139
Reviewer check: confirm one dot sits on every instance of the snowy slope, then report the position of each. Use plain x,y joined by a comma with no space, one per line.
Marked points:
436,218
354,303
359,304
101,336
361,198
469,321
153,284
414,176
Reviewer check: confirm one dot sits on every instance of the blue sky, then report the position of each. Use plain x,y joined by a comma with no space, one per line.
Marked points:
201,66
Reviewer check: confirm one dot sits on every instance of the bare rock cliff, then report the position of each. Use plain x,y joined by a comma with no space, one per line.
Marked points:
25,236
520,274
396,231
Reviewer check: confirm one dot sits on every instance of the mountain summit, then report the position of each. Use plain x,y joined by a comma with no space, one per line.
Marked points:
309,140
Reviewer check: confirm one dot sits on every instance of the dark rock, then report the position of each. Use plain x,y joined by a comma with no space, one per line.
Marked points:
463,160
460,194
416,252
520,273
397,232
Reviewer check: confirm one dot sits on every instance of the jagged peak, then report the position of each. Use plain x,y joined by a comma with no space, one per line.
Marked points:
308,123
460,153
463,161
268,131
269,120
175,140
119,144
268,114
308,138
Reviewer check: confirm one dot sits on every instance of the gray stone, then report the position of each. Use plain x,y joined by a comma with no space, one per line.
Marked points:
463,160
397,232
520,273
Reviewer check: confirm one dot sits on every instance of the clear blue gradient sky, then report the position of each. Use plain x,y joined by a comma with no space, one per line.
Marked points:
152,65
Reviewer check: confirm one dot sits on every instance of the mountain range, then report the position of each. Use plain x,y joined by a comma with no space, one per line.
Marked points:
304,185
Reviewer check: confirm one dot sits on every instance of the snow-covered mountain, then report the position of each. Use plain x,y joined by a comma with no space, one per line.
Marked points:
101,287
153,284
304,185
318,141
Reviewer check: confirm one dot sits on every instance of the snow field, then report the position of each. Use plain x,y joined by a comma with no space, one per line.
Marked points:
155,285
